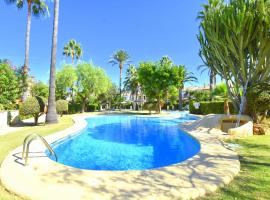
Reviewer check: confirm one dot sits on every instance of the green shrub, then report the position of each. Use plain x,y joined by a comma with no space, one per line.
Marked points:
220,90
1,107
74,108
11,106
150,106
258,102
192,109
200,95
127,105
33,106
210,107
61,106
92,107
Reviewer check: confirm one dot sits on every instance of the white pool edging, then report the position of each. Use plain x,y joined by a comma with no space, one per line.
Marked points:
45,179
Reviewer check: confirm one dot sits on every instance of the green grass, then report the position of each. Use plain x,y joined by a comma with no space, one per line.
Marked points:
11,141
253,181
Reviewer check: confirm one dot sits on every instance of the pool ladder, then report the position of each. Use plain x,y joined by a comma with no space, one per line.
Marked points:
26,144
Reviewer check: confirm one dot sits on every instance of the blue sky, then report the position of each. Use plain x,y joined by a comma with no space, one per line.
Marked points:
147,29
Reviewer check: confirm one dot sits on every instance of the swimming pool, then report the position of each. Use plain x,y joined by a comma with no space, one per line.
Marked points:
127,142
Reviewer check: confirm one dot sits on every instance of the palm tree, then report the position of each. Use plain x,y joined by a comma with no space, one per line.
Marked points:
186,77
212,75
36,8
131,82
51,116
73,49
120,57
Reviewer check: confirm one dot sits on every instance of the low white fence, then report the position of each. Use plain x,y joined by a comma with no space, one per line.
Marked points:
4,117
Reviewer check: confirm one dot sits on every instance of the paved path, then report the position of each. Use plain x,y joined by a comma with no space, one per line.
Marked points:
45,179
8,129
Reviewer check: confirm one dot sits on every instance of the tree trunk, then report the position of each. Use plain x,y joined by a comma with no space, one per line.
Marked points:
158,105
26,56
136,99
36,119
180,103
243,103
83,106
72,56
120,81
51,116
211,80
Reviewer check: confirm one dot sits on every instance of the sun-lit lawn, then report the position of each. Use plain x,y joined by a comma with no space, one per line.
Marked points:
253,182
10,141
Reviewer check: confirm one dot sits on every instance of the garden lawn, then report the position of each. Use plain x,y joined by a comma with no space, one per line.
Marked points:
12,140
253,181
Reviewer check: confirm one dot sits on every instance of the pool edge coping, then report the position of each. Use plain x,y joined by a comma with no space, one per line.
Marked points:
80,125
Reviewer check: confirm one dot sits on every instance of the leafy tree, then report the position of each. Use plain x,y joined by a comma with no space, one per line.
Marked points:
92,81
200,95
51,116
36,8
110,97
40,89
173,94
65,82
61,106
259,101
131,82
113,97
157,78
220,90
73,49
34,106
235,42
120,57
9,86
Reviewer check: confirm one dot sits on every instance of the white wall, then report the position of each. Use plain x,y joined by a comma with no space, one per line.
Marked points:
3,117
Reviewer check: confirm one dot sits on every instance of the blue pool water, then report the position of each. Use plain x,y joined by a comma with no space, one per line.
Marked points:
126,142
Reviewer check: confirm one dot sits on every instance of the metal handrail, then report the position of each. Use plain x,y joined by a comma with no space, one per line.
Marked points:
26,144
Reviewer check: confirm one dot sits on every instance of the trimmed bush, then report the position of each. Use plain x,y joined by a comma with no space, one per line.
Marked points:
150,106
33,106
61,106
1,107
210,107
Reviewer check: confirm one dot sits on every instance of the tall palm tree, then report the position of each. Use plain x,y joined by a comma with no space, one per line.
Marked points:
36,8
120,57
131,82
186,77
51,116
73,49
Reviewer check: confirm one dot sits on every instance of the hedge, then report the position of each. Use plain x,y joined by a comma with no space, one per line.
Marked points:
210,107
74,108
92,107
